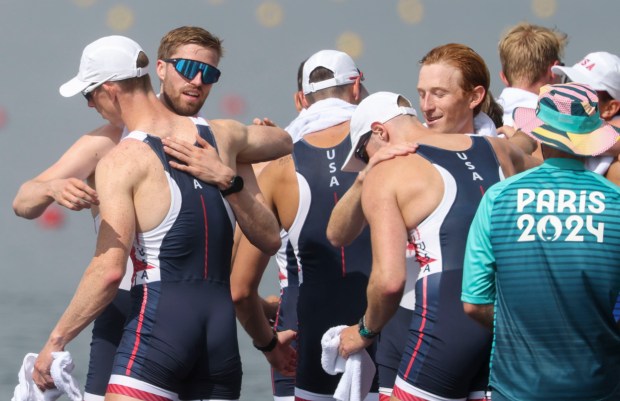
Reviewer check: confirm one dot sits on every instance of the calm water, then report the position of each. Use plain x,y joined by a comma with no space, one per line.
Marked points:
40,270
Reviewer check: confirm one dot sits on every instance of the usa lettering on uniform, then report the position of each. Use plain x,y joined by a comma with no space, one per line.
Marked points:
331,154
470,166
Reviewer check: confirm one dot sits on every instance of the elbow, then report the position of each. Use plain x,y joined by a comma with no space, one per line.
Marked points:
287,144
335,238
23,211
272,242
391,287
241,295
273,246
114,278
470,310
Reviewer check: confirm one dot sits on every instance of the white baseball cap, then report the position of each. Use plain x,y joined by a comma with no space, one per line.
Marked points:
380,107
111,58
598,70
340,63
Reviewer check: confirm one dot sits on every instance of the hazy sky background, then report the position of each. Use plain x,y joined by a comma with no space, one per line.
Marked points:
40,48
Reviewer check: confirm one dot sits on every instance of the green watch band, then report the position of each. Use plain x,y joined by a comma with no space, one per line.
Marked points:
365,331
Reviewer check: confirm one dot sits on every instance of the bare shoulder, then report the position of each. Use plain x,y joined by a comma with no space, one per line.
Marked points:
277,170
395,171
410,183
129,157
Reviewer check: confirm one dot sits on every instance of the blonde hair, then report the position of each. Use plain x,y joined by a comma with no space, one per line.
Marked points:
527,51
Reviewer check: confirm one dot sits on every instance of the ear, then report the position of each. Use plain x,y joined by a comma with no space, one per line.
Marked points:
304,102
298,98
160,68
111,90
553,77
609,109
379,130
357,90
502,76
477,96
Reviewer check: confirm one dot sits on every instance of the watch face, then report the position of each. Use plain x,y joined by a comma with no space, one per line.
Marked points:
236,185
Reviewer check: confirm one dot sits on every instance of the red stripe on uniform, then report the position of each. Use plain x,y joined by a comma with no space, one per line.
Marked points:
204,216
404,396
481,190
344,268
422,325
135,393
136,344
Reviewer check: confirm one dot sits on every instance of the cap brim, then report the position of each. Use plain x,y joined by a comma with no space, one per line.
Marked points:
73,87
591,144
352,164
576,76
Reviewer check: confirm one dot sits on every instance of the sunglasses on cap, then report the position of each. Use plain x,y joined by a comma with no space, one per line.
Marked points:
360,151
189,68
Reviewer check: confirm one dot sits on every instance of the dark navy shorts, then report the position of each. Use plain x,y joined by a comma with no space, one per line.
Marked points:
181,337
447,352
320,307
390,347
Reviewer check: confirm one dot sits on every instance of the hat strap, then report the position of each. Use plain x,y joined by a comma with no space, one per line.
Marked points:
569,123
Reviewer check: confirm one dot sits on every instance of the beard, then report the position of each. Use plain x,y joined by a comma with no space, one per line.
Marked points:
180,108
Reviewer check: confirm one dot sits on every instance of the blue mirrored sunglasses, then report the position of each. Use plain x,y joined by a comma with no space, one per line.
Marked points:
189,68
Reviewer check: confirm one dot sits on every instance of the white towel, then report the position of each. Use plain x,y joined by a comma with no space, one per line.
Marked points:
484,126
319,116
358,370
61,369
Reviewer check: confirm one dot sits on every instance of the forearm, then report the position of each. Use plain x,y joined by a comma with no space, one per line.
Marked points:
95,291
247,272
256,221
347,219
524,142
383,301
32,199
251,315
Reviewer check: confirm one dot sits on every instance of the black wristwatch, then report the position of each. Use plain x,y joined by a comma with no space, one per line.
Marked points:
235,185
269,347
365,331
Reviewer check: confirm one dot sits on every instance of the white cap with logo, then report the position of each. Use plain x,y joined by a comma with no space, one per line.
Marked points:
380,107
598,70
340,63
111,58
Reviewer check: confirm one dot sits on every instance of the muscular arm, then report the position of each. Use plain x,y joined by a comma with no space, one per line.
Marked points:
253,143
347,219
247,271
512,158
63,181
101,279
388,275
257,222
